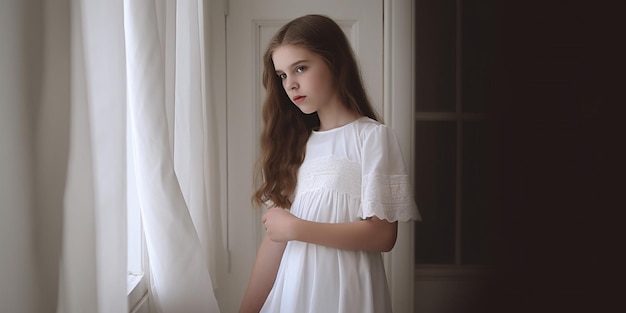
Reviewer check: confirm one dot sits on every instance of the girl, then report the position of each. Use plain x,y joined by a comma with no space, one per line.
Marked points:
331,173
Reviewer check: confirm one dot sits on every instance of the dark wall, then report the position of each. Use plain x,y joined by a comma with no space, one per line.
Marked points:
558,74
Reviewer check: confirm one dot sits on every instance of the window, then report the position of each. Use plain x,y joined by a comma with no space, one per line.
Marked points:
137,285
454,159
134,223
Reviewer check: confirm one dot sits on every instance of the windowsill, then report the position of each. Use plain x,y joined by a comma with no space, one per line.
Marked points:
137,290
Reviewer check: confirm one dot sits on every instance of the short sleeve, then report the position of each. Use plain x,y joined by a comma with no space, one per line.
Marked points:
385,190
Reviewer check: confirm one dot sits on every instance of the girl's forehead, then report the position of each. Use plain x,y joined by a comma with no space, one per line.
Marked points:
290,51
284,56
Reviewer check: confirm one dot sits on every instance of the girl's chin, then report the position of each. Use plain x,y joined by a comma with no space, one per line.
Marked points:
306,109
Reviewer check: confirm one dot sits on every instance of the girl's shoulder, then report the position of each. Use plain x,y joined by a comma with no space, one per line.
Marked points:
367,126
366,123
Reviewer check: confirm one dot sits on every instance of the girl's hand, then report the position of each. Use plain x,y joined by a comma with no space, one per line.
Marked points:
280,225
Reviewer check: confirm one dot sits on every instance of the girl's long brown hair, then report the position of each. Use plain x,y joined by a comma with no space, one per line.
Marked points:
286,128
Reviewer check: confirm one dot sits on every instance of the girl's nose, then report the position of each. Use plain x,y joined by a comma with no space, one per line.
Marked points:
291,84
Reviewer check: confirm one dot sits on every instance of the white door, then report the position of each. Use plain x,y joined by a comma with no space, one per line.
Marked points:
250,24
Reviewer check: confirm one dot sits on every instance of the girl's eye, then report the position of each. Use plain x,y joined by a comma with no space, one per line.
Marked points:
300,69
282,76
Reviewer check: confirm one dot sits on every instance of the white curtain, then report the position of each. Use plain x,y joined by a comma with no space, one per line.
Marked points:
178,261
77,72
93,258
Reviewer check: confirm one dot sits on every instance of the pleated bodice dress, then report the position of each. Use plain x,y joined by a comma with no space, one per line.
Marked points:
349,173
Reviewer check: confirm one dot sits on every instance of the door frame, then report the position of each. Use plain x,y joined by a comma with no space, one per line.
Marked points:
398,113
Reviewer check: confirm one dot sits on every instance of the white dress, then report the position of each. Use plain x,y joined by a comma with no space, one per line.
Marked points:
349,173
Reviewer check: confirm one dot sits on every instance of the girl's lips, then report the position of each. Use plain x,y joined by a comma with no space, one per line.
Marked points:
298,99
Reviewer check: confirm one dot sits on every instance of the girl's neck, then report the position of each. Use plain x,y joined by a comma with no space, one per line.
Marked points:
336,117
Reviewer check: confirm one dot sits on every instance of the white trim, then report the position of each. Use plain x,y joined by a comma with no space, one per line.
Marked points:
399,114
216,86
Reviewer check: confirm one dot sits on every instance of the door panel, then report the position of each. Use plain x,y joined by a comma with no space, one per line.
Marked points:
249,27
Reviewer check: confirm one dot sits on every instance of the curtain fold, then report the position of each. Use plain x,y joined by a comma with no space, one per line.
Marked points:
179,272
93,259
195,154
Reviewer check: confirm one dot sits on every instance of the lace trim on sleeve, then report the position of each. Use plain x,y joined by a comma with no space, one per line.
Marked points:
388,197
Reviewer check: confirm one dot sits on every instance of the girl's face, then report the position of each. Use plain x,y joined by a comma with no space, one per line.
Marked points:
306,78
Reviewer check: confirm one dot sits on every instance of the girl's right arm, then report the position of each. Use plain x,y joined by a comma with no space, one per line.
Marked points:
263,275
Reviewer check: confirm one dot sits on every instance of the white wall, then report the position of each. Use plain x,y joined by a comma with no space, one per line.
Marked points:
18,265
